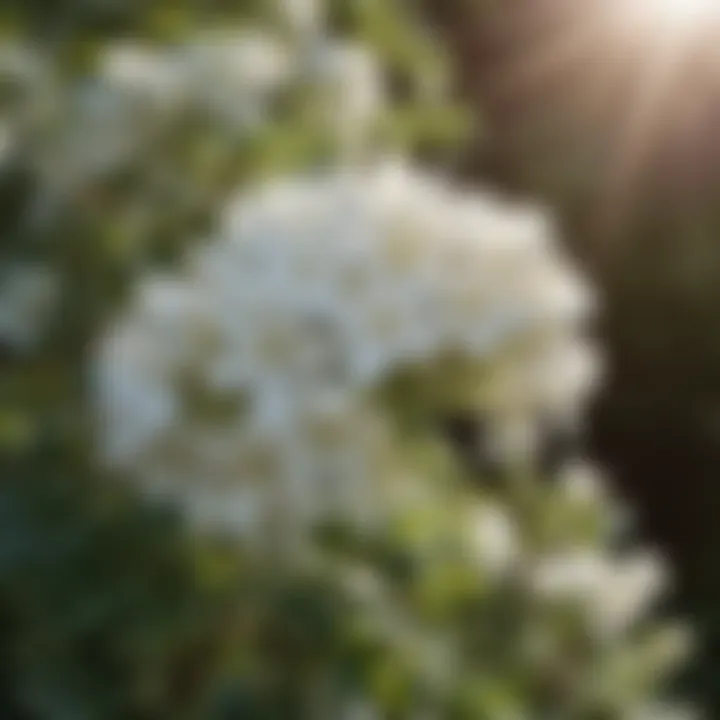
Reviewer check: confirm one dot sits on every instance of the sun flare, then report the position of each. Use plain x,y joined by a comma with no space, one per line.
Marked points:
679,13
642,77
665,21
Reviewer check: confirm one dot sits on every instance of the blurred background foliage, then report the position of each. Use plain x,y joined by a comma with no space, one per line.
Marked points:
107,610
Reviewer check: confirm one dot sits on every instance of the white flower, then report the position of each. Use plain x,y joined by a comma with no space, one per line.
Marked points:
149,75
8,141
305,17
662,711
513,438
575,575
583,487
21,61
350,91
360,709
132,383
613,591
494,538
364,584
100,129
232,74
27,69
632,585
27,296
581,483
564,372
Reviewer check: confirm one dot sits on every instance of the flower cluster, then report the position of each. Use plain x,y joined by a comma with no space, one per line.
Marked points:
316,294
230,81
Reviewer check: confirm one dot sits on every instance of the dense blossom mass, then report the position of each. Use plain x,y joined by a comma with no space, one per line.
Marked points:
316,294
